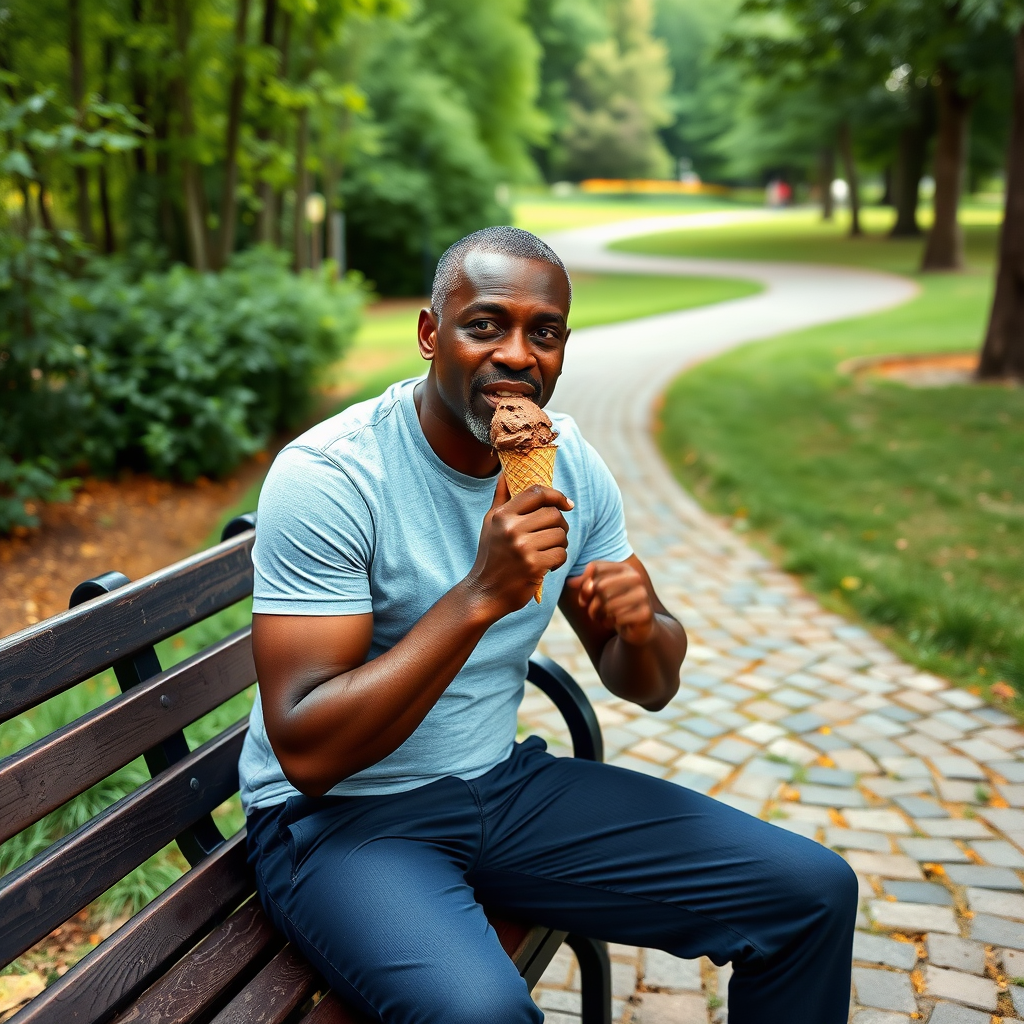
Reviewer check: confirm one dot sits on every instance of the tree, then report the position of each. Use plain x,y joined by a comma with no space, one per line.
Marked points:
912,147
823,55
705,89
962,48
563,29
1002,353
421,173
620,101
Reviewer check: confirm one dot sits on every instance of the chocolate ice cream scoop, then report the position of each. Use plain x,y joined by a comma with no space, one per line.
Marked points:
520,425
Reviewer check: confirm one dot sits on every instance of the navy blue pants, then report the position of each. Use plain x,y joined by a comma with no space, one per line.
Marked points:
383,894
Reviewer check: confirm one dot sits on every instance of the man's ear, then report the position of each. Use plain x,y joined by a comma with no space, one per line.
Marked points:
426,334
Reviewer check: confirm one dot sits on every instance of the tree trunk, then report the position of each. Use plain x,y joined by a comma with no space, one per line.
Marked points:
299,236
195,221
826,175
265,191
83,206
138,82
1002,355
109,239
287,22
910,160
945,247
332,174
850,170
229,204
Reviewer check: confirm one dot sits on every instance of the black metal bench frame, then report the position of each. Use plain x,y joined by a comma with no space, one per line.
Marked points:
204,950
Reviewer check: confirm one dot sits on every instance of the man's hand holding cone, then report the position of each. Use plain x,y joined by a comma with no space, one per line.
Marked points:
522,436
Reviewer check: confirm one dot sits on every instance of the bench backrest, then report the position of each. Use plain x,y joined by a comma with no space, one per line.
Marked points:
114,623
117,629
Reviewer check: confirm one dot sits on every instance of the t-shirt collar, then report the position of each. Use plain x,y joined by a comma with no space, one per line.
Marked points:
412,422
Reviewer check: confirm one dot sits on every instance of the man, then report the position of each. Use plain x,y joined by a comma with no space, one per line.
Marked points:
393,620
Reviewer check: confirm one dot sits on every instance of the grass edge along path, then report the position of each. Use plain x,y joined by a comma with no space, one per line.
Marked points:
901,507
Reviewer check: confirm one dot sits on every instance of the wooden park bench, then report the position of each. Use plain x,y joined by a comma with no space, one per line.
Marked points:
203,951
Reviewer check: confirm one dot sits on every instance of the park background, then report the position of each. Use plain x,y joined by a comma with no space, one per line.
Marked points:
218,219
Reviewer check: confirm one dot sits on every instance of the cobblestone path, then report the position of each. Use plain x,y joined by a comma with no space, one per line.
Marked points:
788,712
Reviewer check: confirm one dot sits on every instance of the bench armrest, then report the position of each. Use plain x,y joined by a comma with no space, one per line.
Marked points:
549,677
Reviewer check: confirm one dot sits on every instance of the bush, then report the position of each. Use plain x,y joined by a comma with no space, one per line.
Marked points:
193,372
174,372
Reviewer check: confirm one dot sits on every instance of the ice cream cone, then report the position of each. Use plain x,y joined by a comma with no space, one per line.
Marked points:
524,469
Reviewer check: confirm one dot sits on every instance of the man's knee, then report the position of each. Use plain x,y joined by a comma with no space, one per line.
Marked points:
827,885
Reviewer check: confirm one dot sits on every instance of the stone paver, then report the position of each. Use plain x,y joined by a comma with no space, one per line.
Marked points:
788,711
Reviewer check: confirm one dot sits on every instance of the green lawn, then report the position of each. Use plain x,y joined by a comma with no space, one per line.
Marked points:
903,506
802,236
543,213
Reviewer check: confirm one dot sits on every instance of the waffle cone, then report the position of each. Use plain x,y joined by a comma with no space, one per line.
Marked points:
524,469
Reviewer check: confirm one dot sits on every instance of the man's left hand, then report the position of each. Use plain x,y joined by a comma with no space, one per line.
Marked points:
615,596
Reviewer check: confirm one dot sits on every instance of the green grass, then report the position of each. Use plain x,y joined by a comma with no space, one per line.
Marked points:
902,506
543,213
802,236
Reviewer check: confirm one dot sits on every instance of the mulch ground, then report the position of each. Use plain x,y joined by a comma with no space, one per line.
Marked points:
135,524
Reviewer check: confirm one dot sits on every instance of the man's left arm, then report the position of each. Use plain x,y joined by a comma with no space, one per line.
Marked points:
636,646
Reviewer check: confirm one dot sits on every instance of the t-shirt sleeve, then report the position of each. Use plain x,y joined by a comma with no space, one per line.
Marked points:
314,539
606,539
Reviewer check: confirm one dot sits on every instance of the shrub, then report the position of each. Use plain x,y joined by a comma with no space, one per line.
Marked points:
190,373
174,372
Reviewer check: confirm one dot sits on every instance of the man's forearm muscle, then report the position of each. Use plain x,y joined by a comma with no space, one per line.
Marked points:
635,645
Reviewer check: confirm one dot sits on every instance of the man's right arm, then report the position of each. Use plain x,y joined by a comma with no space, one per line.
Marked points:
329,713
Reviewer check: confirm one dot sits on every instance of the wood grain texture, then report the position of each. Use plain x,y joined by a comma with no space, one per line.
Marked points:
331,1010
71,873
143,948
45,659
198,981
41,777
270,997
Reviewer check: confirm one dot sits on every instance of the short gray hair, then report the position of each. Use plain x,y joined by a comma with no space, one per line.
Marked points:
503,239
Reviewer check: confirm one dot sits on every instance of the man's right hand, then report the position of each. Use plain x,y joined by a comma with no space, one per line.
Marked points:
521,540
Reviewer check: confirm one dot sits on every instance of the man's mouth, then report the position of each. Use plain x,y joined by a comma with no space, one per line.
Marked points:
493,393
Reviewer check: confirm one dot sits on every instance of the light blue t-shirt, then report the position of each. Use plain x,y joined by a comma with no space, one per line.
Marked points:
359,515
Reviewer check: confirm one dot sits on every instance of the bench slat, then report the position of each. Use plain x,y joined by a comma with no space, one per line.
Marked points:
331,1010
71,873
285,983
41,777
197,982
142,948
55,654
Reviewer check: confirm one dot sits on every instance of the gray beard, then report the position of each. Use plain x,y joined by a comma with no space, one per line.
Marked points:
478,427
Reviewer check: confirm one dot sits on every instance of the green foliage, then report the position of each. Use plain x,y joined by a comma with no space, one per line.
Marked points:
619,101
424,178
24,483
178,373
190,373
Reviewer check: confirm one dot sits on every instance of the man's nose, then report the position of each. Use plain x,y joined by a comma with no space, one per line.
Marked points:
514,351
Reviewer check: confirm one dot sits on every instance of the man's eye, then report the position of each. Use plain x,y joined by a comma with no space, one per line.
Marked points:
480,325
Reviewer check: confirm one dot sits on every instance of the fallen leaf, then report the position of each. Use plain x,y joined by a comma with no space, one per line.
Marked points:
16,989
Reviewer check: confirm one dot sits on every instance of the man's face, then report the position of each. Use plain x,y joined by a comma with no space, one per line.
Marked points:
502,330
